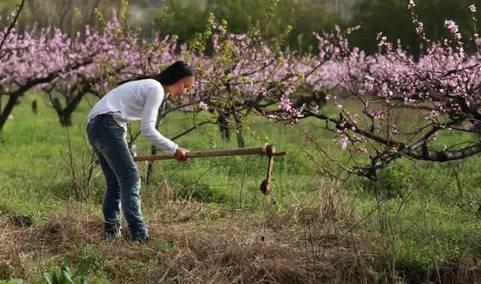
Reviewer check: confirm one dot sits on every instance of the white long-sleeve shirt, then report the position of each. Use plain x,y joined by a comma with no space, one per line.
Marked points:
137,100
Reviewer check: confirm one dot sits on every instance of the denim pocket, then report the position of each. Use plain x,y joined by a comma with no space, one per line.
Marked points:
114,124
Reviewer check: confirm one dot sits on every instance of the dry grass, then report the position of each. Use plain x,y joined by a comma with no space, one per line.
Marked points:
466,270
193,243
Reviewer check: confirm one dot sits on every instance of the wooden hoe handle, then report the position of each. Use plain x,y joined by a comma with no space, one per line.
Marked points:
215,153
266,150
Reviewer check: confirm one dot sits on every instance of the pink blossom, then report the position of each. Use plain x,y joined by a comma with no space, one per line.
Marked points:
411,4
203,106
343,141
453,28
285,104
472,8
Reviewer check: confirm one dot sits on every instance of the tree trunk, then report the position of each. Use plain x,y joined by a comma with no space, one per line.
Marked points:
240,136
153,149
12,101
65,113
65,118
223,127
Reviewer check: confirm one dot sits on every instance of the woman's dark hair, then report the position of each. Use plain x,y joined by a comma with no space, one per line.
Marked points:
175,72
170,75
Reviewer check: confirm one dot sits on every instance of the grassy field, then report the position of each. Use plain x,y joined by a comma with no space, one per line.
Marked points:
210,223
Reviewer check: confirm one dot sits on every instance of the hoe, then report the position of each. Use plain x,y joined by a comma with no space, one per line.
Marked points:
266,150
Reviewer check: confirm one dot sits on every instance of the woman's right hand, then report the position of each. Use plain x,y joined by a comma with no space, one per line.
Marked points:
181,154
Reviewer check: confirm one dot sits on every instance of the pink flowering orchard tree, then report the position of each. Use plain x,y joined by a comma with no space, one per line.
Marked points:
121,55
64,93
37,57
237,75
405,105
243,75
4,35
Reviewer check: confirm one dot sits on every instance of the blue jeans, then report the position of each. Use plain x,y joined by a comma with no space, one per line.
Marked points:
123,181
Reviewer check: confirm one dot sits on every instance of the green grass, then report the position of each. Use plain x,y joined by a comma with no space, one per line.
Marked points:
426,213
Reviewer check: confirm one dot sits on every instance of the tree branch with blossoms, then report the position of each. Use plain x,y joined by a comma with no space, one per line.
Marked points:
10,27
403,106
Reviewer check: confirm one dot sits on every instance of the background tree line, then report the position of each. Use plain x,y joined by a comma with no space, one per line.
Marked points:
392,18
185,18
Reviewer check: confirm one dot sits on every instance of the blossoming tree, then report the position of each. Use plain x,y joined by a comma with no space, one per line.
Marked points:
37,57
441,89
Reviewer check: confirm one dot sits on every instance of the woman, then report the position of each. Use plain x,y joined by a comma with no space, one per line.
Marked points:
133,100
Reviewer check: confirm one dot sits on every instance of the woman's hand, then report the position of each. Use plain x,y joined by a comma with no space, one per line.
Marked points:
181,154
